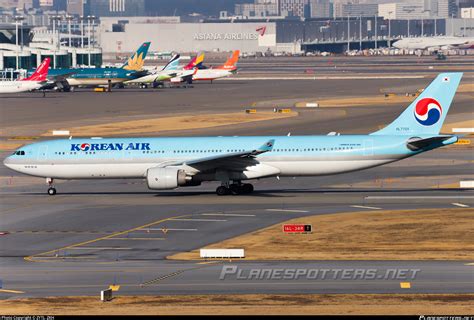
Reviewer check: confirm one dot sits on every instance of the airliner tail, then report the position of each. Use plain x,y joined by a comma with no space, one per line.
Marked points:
41,73
232,61
426,114
137,60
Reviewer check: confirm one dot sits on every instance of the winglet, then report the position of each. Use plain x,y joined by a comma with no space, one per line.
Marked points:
266,147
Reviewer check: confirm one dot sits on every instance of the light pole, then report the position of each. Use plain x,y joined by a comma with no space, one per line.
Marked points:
348,32
89,20
389,29
69,19
17,23
55,38
464,27
375,31
82,31
360,32
422,22
408,11
55,19
452,24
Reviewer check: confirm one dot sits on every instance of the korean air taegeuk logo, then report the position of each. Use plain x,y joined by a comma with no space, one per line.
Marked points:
428,111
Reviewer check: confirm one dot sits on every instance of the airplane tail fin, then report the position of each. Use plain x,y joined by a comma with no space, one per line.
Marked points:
196,62
173,63
137,60
41,73
426,114
232,61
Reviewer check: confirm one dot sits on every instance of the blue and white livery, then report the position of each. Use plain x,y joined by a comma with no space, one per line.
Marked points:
169,163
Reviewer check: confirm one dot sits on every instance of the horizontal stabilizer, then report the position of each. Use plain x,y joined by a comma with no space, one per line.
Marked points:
418,143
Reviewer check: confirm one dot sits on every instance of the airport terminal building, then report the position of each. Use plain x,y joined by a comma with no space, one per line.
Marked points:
117,35
190,37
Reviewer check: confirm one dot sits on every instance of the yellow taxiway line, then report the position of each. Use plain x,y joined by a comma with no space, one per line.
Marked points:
39,255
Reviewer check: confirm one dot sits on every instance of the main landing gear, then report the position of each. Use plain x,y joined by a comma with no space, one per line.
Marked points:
234,188
51,189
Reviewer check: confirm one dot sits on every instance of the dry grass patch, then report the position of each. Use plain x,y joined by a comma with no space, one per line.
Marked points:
439,234
247,304
359,101
183,122
466,87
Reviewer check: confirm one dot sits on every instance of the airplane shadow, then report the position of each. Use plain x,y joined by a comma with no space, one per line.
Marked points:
29,97
257,193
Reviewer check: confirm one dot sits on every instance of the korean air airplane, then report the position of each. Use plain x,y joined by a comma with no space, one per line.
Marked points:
169,163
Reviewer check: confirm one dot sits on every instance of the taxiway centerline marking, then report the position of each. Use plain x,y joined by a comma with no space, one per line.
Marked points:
418,197
11,291
322,78
366,207
99,248
286,210
31,258
167,229
137,238
228,214
199,220
462,205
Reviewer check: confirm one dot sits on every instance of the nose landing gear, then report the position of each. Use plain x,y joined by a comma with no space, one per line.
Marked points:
51,189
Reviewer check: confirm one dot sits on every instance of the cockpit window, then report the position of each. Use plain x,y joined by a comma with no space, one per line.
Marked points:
19,153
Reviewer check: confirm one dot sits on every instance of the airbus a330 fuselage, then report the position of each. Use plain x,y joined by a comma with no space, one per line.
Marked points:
168,163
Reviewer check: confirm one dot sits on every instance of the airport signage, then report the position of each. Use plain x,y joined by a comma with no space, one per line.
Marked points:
297,228
225,36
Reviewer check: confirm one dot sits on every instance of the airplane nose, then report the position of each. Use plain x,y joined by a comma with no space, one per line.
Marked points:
8,162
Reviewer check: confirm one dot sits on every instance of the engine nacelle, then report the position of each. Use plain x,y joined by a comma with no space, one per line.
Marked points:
165,178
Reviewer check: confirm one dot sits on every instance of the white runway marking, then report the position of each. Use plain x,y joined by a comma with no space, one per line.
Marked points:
203,220
171,229
136,238
365,207
286,210
228,214
97,248
321,78
462,205
419,197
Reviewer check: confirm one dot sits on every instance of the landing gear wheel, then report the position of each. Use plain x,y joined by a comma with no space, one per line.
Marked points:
222,191
51,191
236,188
247,188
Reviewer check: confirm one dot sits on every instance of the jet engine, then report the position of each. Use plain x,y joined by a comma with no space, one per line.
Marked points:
168,178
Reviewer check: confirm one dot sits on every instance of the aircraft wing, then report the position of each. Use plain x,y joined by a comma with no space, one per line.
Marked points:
185,76
60,77
234,161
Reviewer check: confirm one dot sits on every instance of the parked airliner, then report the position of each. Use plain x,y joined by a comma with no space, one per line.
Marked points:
34,82
168,163
223,71
435,43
